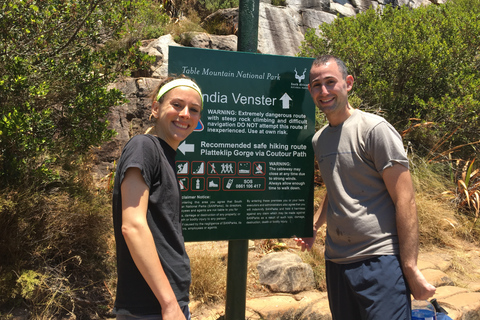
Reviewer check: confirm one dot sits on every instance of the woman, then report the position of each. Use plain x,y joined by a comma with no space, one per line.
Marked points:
153,268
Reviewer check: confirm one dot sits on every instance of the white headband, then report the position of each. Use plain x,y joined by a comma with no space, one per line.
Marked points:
179,83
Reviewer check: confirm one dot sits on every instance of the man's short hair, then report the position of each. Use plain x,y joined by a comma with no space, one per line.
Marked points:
323,59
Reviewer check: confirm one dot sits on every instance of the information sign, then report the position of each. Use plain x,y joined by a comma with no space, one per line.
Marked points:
246,172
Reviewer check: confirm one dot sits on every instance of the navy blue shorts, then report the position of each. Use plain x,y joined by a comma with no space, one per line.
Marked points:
372,289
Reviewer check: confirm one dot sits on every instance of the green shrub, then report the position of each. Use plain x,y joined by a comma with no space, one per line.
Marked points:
415,66
210,6
150,21
282,3
54,72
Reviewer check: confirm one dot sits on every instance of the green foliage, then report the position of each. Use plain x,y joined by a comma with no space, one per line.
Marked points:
56,60
282,3
420,65
28,282
150,22
54,70
214,5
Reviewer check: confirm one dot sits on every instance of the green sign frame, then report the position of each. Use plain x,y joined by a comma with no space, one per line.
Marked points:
247,171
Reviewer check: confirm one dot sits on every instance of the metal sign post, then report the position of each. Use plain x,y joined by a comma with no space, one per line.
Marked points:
237,266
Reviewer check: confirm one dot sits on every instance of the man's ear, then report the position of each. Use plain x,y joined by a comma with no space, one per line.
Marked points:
349,81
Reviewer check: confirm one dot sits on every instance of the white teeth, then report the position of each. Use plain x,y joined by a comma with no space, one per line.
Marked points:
183,126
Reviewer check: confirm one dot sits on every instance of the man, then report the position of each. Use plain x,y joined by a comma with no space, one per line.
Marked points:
371,246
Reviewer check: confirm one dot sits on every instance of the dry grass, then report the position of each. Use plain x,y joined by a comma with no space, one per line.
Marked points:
439,218
209,271
54,250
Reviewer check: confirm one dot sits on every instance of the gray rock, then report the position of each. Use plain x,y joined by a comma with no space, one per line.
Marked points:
314,18
309,4
128,119
285,272
342,8
159,49
278,38
210,41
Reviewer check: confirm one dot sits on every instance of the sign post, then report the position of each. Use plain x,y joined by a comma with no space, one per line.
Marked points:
237,265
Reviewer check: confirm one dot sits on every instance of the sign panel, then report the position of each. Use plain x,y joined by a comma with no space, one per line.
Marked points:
246,172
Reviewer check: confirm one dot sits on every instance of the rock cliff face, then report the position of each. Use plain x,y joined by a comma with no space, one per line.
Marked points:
280,32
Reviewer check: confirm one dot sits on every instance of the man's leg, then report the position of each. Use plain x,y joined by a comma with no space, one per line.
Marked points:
380,288
341,298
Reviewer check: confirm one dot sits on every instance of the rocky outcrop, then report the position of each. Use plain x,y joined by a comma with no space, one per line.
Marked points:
210,41
159,49
128,119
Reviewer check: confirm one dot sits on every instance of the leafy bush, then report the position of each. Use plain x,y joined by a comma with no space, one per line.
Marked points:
56,60
206,7
150,22
54,72
414,66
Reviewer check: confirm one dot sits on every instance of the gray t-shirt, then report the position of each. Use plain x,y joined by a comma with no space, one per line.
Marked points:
361,214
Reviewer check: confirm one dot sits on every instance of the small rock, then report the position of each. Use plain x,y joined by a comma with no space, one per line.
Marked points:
285,272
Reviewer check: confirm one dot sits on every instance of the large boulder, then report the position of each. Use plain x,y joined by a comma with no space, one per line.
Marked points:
279,30
159,49
285,272
209,41
311,19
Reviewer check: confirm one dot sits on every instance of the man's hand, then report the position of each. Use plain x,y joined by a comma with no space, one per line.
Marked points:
306,243
319,219
419,286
